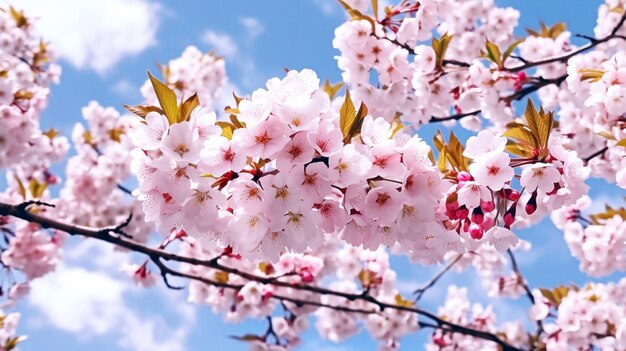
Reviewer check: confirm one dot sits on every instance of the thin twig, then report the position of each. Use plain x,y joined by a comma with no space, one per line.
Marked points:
420,292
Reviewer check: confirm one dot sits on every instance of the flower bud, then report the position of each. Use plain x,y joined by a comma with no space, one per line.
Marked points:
511,194
477,216
509,216
531,205
487,206
476,231
463,176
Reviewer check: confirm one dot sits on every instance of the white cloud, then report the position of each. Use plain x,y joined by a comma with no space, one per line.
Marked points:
95,302
253,26
95,34
223,43
327,7
124,88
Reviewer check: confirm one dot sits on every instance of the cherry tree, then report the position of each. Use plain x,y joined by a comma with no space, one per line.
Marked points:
287,205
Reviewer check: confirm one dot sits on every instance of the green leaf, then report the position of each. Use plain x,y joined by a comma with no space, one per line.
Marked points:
509,50
235,121
438,141
440,46
237,99
493,52
227,129
167,99
355,129
518,149
375,8
142,110
36,189
18,17
523,135
532,119
187,107
347,114
20,186
592,75
357,15
331,89
606,135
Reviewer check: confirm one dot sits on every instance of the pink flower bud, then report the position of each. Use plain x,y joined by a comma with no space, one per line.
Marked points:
509,219
462,213
487,223
476,231
511,194
477,216
531,205
452,206
463,176
487,206
306,276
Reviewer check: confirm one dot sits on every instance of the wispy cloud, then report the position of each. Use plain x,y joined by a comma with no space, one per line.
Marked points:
253,26
96,301
98,34
223,43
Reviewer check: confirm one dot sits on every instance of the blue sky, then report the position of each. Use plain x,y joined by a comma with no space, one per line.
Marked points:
87,304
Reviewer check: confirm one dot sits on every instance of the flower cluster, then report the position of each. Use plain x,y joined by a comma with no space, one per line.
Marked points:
8,326
599,243
458,309
593,316
193,72
26,72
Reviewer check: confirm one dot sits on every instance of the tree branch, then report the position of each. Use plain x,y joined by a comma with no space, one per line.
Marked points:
112,235
419,292
564,58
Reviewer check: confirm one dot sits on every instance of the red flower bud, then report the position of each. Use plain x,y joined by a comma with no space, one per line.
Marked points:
531,205
477,216
476,231
487,206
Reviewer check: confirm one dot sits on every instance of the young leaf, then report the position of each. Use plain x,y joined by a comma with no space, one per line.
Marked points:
440,46
375,8
332,89
606,135
167,99
142,110
187,107
357,15
509,50
227,129
20,187
592,75
493,52
523,135
237,99
347,114
355,128
18,17
36,189
621,143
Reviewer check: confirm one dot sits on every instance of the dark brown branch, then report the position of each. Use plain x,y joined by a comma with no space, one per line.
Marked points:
435,119
112,235
595,154
420,292
534,87
564,58
522,281
125,189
